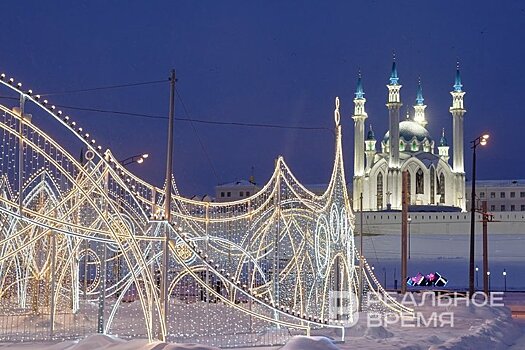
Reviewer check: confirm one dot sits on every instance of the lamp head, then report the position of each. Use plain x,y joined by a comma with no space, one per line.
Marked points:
145,155
140,160
483,140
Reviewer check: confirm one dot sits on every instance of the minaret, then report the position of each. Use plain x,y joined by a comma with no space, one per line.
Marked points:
359,139
443,147
370,148
458,167
394,104
359,128
419,107
393,177
457,111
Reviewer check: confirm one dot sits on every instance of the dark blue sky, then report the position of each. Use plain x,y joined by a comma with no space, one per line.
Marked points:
270,62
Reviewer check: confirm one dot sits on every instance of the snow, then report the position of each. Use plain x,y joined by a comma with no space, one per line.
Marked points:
310,343
474,327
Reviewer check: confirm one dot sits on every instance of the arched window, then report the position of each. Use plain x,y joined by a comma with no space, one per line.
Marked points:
379,191
420,182
432,185
442,188
414,146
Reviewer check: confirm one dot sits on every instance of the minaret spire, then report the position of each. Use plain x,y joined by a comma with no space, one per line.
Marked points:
457,83
393,75
419,107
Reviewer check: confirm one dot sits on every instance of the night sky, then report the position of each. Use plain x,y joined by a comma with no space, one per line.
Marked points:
270,62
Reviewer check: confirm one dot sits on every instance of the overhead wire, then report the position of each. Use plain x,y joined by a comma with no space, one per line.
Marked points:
202,121
105,87
204,150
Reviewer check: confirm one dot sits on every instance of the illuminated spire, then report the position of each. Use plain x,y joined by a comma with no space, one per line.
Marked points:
393,75
371,135
443,141
419,96
457,83
359,92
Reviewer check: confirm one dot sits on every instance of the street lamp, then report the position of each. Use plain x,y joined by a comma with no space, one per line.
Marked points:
488,274
138,158
505,279
480,140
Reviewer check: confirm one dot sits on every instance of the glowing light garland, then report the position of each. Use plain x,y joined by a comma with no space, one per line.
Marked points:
239,273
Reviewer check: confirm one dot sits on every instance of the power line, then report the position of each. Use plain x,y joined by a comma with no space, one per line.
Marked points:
105,87
204,150
202,121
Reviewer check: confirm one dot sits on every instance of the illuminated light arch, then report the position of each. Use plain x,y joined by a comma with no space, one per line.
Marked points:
275,250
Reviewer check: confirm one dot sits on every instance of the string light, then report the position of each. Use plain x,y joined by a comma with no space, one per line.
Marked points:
267,263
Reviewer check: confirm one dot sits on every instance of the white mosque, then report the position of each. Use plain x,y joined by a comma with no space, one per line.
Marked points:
407,145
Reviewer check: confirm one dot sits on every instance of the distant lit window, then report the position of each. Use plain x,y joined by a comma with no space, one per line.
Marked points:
492,194
502,194
513,195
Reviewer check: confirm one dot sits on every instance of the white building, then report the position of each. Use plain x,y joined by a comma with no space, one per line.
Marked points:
501,195
237,190
407,145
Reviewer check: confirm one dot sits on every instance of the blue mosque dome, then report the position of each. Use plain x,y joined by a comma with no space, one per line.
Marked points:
408,130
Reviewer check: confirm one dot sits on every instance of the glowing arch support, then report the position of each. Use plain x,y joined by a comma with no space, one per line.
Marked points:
86,236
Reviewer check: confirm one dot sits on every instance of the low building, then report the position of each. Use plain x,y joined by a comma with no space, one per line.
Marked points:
234,191
501,195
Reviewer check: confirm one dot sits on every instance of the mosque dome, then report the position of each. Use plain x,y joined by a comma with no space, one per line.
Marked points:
408,130
413,137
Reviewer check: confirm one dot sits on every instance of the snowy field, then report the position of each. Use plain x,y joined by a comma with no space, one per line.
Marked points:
448,254
472,327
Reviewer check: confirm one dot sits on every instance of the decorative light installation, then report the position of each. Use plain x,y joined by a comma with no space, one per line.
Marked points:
81,247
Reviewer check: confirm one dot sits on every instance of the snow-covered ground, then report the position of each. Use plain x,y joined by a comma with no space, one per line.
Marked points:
472,327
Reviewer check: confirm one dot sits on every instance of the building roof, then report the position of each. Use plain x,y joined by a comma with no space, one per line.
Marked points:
240,183
408,129
497,183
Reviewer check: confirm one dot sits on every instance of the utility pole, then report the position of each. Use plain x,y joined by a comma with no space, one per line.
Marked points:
485,248
167,210
473,228
404,230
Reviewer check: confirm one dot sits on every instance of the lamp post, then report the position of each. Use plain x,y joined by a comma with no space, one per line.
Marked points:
488,275
505,279
137,158
477,279
480,140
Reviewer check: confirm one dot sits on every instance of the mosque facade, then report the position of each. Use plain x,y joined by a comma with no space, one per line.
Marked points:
434,178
